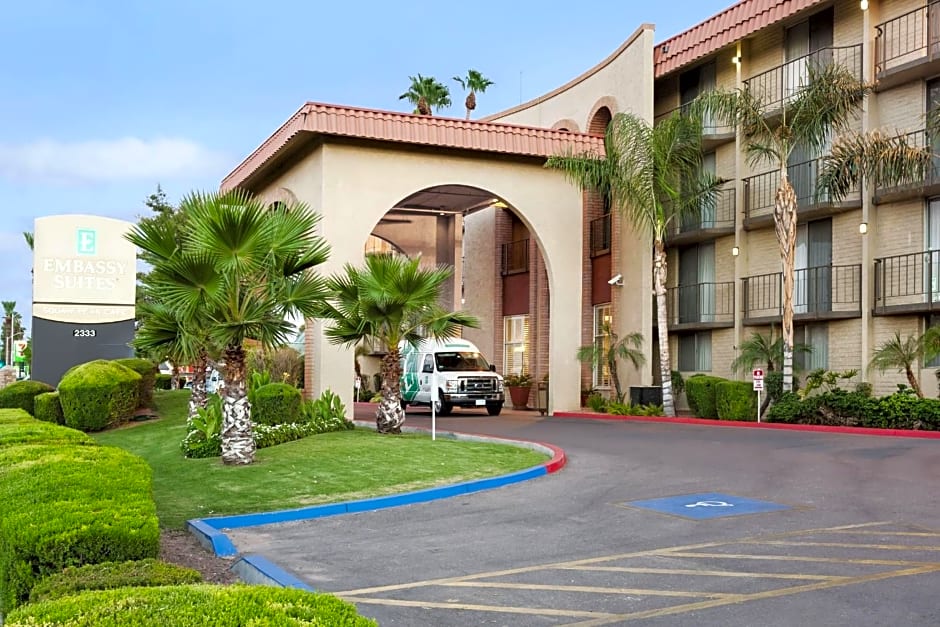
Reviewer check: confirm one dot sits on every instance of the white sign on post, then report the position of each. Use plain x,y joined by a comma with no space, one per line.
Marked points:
758,383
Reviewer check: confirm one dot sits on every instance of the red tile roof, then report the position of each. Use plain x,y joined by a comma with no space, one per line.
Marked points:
389,126
734,23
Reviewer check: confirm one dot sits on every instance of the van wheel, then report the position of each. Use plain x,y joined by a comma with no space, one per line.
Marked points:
493,409
440,407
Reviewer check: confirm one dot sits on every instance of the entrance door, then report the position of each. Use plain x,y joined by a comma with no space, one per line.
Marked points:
812,289
697,283
807,42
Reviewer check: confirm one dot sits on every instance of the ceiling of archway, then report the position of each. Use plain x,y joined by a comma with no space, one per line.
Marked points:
446,199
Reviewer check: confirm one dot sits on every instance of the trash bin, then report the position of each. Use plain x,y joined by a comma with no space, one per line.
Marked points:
646,395
541,397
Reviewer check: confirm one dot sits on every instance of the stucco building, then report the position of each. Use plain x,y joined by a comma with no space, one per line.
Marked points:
534,256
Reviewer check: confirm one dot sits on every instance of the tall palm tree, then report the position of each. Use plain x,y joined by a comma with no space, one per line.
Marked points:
823,106
901,355
426,93
9,313
392,300
242,270
654,174
610,348
475,83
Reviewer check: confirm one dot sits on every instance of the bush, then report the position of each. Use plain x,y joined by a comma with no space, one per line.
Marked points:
49,408
276,403
163,381
735,400
67,505
700,392
148,378
204,438
98,394
597,402
21,395
16,427
326,413
192,606
109,575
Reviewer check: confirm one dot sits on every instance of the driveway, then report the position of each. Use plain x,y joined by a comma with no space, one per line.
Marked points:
854,539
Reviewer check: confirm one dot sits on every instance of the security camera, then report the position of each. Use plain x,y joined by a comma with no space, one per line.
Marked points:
617,279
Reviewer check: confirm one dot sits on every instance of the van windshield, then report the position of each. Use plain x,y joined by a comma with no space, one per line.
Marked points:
456,361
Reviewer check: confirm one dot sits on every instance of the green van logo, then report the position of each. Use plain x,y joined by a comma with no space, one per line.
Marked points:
86,241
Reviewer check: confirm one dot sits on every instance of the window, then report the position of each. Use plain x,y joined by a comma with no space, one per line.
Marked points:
695,352
815,336
697,283
515,339
601,371
932,321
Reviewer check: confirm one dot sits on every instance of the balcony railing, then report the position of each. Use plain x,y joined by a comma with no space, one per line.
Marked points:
908,40
825,292
761,190
711,125
704,305
907,283
780,85
515,257
600,235
925,140
719,217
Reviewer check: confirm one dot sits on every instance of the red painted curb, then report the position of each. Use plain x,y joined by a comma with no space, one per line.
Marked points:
897,433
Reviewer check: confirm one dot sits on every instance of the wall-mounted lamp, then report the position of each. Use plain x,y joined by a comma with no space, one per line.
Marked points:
864,5
736,59
735,251
863,228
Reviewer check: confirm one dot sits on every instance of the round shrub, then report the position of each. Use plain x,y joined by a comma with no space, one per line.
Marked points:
191,606
20,395
700,392
276,403
49,408
736,400
163,381
98,394
148,378
109,575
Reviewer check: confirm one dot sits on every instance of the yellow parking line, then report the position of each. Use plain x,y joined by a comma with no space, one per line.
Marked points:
594,589
916,534
528,611
710,573
801,558
846,545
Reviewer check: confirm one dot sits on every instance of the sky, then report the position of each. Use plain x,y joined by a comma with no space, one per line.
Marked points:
102,100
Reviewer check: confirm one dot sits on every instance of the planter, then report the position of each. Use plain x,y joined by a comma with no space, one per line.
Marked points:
519,396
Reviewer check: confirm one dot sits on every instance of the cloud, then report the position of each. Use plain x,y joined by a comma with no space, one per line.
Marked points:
128,158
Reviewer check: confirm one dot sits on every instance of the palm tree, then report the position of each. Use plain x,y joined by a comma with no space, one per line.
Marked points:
426,93
475,83
901,355
9,314
392,300
610,348
654,174
765,350
242,269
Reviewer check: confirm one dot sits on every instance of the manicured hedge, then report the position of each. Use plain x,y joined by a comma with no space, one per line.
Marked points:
191,606
20,395
66,505
98,394
701,394
736,400
49,408
109,575
276,403
163,381
148,378
16,427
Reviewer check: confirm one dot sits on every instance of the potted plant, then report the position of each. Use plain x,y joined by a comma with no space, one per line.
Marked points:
519,386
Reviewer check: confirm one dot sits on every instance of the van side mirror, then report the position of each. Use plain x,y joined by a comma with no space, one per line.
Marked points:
492,367
427,368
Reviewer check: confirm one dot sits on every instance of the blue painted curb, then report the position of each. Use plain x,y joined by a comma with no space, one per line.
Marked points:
211,538
255,569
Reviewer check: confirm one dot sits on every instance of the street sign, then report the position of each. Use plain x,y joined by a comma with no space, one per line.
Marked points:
757,376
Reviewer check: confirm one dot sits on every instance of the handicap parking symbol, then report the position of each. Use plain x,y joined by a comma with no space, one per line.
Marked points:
708,505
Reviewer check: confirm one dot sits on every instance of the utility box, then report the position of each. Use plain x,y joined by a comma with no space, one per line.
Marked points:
646,395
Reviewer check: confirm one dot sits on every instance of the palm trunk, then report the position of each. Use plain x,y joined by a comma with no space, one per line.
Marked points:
659,286
471,103
915,384
785,229
238,445
175,378
615,377
389,415
198,397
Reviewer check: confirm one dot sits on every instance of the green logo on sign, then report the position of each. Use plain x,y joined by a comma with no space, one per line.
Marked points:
86,242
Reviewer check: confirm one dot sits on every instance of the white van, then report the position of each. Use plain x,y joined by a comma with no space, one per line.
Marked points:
462,376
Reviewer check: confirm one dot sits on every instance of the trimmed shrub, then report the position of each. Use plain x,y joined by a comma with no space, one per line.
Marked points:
163,381
192,606
49,408
67,505
700,392
110,575
148,378
17,427
735,400
276,403
98,394
21,395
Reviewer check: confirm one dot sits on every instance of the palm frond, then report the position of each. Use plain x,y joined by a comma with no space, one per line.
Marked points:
881,159
825,106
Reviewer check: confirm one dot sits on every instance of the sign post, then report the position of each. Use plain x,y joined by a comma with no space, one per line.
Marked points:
758,382
433,404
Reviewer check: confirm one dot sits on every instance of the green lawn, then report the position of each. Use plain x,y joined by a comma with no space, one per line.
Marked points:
320,469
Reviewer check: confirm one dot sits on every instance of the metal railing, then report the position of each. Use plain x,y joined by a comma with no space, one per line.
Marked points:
701,303
819,290
711,125
515,256
600,235
760,190
781,84
908,282
909,38
720,216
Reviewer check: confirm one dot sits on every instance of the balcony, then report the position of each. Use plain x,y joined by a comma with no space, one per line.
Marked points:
709,224
907,284
714,131
930,186
821,293
761,190
907,47
778,86
515,257
700,306
600,235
